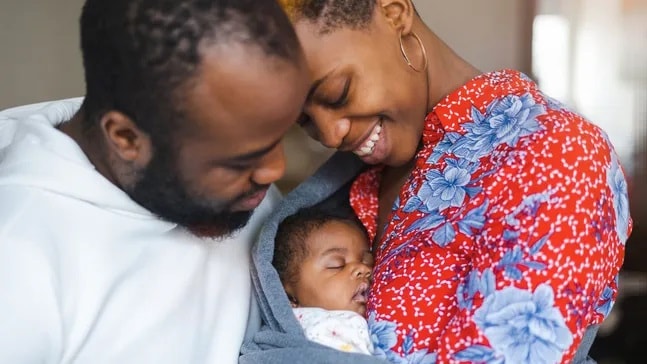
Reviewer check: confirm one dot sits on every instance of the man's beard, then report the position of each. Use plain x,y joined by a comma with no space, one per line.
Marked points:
160,189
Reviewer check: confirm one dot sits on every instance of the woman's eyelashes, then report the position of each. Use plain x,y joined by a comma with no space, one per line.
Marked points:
335,102
342,100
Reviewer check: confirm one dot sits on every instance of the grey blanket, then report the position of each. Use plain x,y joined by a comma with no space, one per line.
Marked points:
281,339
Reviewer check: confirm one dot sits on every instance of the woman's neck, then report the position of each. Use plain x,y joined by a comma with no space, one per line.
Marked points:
446,70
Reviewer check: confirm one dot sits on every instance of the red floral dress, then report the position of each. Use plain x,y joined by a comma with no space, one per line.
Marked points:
506,241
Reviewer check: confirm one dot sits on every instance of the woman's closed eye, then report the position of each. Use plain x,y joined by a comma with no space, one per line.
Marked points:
333,94
342,100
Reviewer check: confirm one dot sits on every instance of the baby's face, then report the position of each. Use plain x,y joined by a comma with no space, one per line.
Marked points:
336,273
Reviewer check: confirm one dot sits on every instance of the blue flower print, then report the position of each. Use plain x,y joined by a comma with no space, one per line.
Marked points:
618,186
478,141
505,122
524,327
606,301
514,258
443,147
479,354
553,103
525,77
383,337
421,357
442,190
466,290
514,117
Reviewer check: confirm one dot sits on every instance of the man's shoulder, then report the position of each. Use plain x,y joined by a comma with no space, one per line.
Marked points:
30,216
64,106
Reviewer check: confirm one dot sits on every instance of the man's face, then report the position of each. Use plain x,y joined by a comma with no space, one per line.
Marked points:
223,161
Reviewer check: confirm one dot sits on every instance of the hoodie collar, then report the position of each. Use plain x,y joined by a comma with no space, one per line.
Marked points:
34,153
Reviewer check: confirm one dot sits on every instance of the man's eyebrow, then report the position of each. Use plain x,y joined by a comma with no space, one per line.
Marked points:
255,154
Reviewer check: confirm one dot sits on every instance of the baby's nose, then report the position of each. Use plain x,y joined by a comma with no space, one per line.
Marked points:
362,271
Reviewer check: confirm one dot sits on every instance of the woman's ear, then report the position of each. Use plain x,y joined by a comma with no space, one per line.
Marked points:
399,13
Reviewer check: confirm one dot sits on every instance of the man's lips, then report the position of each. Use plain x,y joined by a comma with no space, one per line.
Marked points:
252,201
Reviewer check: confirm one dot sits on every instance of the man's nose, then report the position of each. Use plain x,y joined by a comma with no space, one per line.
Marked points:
272,167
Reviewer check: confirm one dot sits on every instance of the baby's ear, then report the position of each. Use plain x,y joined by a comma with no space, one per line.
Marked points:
293,300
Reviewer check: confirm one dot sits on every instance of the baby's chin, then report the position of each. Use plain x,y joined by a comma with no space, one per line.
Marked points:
360,308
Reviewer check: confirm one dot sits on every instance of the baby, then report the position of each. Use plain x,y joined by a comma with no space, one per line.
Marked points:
324,262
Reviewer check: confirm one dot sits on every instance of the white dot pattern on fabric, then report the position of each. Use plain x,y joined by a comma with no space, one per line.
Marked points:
508,236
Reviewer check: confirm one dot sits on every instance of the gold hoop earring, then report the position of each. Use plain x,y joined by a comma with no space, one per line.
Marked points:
422,48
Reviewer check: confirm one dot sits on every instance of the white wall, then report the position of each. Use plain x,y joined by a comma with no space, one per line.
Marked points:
39,51
490,34
606,73
599,90
40,57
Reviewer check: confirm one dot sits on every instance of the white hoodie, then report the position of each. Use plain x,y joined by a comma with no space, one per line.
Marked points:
89,276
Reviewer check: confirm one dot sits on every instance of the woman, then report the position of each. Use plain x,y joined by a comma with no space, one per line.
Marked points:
498,217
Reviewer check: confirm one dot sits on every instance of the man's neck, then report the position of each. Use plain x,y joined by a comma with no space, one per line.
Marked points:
446,70
90,143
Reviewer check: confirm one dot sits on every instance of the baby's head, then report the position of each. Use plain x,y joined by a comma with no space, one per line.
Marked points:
324,260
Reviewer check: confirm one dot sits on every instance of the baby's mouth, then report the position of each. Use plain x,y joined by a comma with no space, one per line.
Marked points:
361,294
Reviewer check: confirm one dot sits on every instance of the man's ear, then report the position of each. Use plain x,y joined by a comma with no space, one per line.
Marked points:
399,13
125,139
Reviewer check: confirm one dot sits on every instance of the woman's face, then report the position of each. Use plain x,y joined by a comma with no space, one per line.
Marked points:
365,98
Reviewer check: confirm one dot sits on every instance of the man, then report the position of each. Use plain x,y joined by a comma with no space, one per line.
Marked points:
125,224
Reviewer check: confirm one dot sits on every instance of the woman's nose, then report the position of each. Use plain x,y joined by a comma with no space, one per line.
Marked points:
330,130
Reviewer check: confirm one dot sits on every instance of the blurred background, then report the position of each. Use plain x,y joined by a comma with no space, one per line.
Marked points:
590,54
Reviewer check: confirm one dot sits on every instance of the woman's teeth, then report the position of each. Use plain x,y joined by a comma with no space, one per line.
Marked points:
369,145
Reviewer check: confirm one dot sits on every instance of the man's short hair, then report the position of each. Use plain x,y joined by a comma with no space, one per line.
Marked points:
139,55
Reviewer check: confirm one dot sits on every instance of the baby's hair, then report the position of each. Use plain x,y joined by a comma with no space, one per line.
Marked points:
290,247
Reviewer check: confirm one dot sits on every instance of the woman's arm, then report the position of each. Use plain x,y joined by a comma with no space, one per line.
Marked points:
546,268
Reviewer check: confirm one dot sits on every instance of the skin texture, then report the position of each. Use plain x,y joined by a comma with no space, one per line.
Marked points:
335,274
221,162
397,98
381,87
